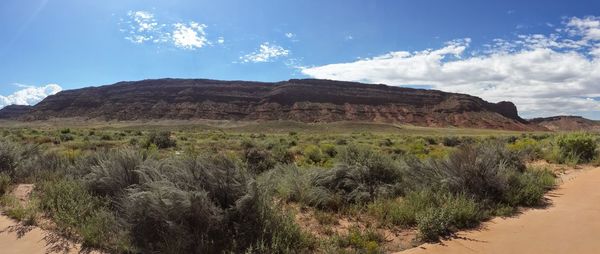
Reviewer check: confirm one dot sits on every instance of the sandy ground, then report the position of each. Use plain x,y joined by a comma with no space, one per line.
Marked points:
16,238
571,224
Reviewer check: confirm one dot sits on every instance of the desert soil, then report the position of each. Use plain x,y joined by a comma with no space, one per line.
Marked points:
16,238
570,224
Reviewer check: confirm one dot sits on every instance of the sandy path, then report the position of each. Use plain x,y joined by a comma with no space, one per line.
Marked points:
17,239
570,225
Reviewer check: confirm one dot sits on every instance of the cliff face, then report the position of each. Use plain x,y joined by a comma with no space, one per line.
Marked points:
567,123
305,100
14,111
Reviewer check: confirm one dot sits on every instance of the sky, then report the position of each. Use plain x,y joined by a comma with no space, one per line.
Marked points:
542,55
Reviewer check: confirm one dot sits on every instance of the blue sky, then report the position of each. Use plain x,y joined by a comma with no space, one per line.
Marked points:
493,49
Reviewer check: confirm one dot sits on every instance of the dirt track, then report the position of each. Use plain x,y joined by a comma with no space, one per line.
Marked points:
571,224
16,239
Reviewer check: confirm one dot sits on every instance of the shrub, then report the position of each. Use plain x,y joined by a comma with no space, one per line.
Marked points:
25,213
483,171
528,147
529,188
313,154
363,241
288,182
433,223
112,173
5,183
161,139
459,210
281,154
206,205
258,160
79,214
362,176
451,141
578,146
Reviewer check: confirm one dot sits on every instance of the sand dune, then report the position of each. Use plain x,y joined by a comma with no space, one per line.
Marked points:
570,224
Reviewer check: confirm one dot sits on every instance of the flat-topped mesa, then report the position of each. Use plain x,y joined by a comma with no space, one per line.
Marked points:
304,100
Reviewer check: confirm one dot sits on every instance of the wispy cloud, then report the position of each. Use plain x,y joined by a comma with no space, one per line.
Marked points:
543,74
267,52
29,95
142,27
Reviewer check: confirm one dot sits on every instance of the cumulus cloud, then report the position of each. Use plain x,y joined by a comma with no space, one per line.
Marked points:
142,27
550,74
189,36
267,52
29,95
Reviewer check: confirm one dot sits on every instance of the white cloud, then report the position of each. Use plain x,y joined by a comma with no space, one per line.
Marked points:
266,53
142,27
290,35
542,74
588,27
29,95
221,40
190,36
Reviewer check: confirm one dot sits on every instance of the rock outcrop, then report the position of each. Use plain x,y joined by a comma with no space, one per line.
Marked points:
567,123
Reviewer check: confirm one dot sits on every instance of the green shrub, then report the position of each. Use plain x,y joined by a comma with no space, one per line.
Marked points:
363,241
528,147
258,160
25,213
313,154
433,223
289,182
361,176
460,211
161,139
66,137
577,147
529,188
5,183
483,171
206,205
112,173
79,214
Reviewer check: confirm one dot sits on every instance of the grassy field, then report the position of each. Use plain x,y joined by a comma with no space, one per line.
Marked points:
274,187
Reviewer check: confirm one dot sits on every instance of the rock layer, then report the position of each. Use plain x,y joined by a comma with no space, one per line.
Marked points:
304,100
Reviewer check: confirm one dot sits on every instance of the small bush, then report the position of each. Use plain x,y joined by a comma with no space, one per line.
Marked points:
529,188
313,154
363,241
528,147
162,140
258,160
25,213
483,171
433,223
5,183
577,147
362,176
79,214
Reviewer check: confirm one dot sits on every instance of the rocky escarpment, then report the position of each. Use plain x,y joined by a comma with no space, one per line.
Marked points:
567,123
306,100
14,111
